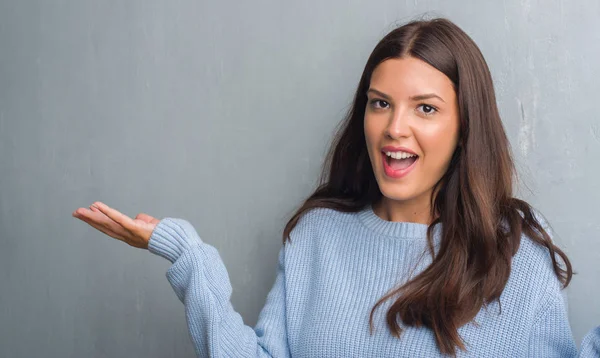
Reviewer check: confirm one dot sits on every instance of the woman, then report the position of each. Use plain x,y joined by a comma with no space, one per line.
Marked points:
412,246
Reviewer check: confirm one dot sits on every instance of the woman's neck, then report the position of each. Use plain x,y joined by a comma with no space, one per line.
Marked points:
415,211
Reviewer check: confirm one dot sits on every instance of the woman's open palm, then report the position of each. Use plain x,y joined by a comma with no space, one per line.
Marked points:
135,232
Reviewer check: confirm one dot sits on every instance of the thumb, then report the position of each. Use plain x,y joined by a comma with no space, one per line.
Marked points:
147,218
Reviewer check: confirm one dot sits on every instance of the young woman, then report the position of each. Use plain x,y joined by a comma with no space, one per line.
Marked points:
412,246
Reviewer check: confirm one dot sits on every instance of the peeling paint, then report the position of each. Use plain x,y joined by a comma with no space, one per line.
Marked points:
526,131
595,132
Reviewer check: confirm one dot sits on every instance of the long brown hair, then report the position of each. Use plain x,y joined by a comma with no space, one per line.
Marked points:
482,222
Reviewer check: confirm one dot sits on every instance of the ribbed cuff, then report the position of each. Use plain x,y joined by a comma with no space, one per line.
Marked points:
172,237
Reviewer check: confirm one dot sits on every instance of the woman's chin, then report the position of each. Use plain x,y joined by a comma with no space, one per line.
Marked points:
397,194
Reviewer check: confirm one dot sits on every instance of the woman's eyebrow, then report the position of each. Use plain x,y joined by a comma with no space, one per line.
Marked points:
425,96
419,97
379,93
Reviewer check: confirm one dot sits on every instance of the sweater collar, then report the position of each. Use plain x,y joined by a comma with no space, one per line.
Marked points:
407,230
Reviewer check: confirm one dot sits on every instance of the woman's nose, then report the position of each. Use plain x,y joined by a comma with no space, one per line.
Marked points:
399,125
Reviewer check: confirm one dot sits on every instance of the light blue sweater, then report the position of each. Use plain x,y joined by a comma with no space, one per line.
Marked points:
331,274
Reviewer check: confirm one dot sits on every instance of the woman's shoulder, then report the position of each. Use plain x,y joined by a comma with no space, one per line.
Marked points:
321,217
533,265
319,222
534,258
533,254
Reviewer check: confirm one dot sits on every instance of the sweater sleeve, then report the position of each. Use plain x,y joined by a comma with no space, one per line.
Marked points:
200,281
551,335
590,345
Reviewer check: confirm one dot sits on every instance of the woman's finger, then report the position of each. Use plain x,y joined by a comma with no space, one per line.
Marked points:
104,229
122,219
100,220
95,222
109,223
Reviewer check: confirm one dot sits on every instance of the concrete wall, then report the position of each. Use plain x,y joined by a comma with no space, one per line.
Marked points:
220,112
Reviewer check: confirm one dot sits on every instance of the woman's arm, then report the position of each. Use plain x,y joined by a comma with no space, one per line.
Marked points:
590,345
552,335
200,280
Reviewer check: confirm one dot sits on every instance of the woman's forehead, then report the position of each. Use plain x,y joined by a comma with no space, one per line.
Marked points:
409,76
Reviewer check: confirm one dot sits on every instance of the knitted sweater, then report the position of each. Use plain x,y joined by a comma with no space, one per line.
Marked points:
332,273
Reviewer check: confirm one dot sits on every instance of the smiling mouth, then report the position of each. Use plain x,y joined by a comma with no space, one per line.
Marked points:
400,164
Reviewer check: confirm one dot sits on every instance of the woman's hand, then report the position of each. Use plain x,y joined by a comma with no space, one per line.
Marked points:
135,232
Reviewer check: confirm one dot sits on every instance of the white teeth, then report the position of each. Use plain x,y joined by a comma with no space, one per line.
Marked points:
400,155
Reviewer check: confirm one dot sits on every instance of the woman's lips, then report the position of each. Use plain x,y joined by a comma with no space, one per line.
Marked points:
396,174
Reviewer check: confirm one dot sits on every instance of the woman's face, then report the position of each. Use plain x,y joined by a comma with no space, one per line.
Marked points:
411,109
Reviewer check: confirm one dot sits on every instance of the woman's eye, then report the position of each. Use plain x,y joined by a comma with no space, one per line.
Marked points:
379,104
427,109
